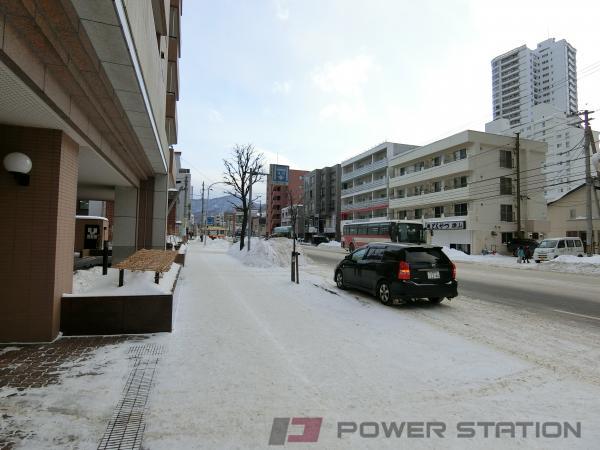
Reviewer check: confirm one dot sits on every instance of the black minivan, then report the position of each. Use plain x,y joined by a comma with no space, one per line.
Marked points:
393,271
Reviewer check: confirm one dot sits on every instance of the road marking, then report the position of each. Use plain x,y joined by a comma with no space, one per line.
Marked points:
575,314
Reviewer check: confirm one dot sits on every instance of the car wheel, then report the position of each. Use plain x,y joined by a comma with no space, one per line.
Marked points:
339,280
383,293
436,300
351,247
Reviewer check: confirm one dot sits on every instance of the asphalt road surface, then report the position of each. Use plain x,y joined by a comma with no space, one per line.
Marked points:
564,295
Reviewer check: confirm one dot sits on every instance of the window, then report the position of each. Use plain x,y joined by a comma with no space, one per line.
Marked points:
506,213
438,211
352,230
460,154
505,186
418,213
572,214
375,254
401,215
561,244
437,186
358,255
373,229
570,243
460,182
506,159
460,209
507,237
436,161
361,229
402,171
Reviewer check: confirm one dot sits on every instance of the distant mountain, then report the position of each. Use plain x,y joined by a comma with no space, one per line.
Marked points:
215,205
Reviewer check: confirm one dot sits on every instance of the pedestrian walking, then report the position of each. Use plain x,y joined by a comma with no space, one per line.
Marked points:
520,254
527,254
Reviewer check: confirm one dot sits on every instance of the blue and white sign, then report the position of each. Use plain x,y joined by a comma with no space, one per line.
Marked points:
210,220
279,174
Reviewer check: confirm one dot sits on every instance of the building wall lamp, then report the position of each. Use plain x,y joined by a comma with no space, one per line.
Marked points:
19,164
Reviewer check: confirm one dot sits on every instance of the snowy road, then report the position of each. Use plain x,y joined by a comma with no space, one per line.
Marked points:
561,295
249,347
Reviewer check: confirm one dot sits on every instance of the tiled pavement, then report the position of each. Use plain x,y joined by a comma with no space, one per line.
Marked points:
39,365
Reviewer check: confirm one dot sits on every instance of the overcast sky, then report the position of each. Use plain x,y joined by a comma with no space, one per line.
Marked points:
312,82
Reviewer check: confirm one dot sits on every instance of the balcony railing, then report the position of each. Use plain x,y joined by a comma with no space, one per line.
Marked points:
365,169
365,205
365,186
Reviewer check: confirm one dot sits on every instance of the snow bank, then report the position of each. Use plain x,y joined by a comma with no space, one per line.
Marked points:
335,244
276,252
567,263
92,283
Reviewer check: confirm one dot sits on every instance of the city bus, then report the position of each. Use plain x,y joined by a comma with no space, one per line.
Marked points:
355,234
285,231
215,232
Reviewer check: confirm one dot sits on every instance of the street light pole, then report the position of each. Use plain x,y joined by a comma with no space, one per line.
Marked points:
207,205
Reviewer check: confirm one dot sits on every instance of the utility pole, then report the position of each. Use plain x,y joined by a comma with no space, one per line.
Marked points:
250,212
589,234
202,214
518,158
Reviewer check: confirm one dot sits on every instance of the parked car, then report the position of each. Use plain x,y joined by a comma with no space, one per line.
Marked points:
319,239
555,247
393,271
514,245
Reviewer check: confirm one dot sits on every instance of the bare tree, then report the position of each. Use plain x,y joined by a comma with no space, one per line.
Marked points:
243,169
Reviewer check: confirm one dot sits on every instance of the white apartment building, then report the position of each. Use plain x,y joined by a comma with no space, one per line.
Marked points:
523,78
364,194
463,187
564,167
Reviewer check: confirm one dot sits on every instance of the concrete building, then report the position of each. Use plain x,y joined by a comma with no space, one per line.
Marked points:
286,219
88,93
322,202
183,204
523,78
364,181
567,215
564,167
280,192
463,189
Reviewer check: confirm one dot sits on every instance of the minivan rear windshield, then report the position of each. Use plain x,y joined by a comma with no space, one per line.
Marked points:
548,244
425,255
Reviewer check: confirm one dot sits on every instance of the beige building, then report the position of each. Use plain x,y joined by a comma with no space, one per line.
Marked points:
463,187
567,216
88,93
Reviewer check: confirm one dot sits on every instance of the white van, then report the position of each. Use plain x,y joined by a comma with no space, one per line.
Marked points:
552,248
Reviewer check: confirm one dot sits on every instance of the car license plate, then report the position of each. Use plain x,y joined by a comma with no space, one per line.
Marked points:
433,275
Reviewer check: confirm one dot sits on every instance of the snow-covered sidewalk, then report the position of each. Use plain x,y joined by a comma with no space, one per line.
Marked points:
250,346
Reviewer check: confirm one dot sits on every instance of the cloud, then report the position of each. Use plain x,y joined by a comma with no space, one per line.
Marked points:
215,116
343,111
282,87
345,77
282,9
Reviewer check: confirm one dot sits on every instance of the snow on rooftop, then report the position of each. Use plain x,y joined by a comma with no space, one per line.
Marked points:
90,217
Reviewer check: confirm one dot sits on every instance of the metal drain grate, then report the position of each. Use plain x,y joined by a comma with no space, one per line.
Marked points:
126,427
137,351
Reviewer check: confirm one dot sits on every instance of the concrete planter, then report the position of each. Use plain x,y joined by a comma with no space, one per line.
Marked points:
130,314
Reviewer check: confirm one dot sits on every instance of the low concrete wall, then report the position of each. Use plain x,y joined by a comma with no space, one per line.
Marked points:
133,314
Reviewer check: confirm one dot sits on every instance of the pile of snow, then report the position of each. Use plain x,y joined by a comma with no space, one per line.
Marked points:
182,249
566,263
90,283
275,252
573,264
335,244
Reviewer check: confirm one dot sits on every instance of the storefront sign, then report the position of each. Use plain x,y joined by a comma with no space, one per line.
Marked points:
449,225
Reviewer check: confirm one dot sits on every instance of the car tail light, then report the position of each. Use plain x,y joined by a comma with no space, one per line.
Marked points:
403,271
453,270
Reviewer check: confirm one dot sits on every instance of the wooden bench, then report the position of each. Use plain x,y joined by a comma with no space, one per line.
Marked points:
157,261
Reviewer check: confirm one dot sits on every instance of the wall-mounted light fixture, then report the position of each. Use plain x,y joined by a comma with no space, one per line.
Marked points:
19,165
